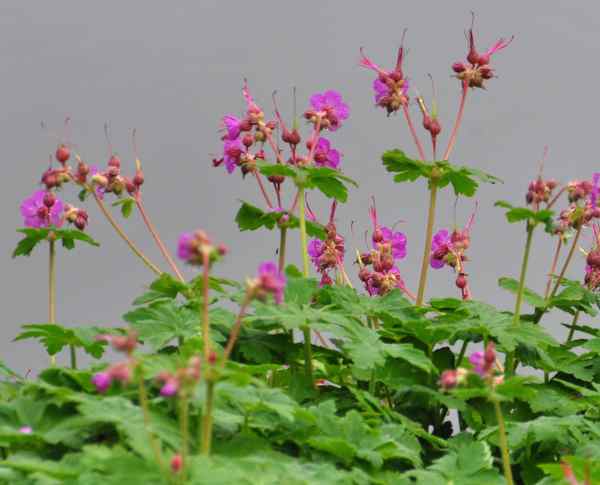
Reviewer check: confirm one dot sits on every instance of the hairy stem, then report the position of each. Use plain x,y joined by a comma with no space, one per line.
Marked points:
235,331
503,444
413,132
427,246
282,245
207,420
262,189
524,264
459,116
567,262
161,246
553,267
52,286
123,236
305,272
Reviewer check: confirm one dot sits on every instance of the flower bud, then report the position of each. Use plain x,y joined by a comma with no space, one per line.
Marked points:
80,223
49,199
593,258
276,179
43,212
114,162
461,281
489,355
138,179
63,153
458,67
176,463
222,249
248,140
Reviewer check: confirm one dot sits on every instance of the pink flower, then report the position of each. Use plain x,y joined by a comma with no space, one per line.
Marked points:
184,248
233,126
271,280
390,87
331,108
170,387
397,240
477,360
102,381
325,156
232,151
42,210
440,247
25,430
315,250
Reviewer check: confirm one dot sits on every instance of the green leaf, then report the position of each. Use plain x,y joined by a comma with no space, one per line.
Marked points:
165,287
329,181
251,218
518,214
127,204
529,296
270,169
55,338
407,169
32,238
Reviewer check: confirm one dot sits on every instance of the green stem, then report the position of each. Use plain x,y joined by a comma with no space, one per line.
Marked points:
303,240
207,420
52,286
503,444
573,325
73,354
462,353
524,263
204,305
185,432
143,396
428,236
305,271
282,244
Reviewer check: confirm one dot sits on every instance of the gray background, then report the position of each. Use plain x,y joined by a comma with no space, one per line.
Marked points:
171,69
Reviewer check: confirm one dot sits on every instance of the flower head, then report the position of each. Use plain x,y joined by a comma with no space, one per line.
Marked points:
42,209
397,241
102,381
325,156
390,87
25,430
270,281
328,109
440,247
232,153
232,125
193,247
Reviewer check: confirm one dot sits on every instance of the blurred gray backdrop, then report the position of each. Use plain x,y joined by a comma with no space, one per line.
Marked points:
172,69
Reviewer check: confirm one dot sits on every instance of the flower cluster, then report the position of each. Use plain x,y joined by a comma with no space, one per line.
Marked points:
327,255
448,249
583,207
327,111
269,281
390,87
484,364
478,69
592,268
540,191
196,247
387,248
121,371
172,384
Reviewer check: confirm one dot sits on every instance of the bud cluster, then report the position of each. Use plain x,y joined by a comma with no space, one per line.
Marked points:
478,69
173,384
592,268
540,191
194,247
327,255
121,371
484,363
269,281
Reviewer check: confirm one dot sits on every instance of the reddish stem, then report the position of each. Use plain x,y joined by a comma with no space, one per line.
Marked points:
553,267
553,201
413,132
461,110
156,237
235,331
262,189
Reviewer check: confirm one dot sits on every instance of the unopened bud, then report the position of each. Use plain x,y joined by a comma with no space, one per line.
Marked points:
461,281
138,179
176,463
222,249
458,67
114,162
276,179
62,153
49,199
248,140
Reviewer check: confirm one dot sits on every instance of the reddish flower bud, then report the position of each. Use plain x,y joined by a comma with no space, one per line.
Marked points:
458,67
43,212
489,355
222,249
176,463
461,281
114,162
212,357
593,258
62,153
276,179
130,187
49,199
138,179
248,140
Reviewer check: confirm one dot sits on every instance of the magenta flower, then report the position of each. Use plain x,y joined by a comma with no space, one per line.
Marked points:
99,188
170,387
40,210
397,240
595,190
232,151
102,381
477,360
390,87
441,245
232,125
325,156
184,246
271,280
315,250
331,108
25,430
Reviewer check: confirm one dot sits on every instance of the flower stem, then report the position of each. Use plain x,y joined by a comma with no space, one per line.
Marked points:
73,354
525,262
428,236
123,236
572,329
204,305
461,353
207,420
567,261
553,267
235,331
262,189
503,444
413,132
461,110
185,432
52,286
305,272
157,239
282,244
146,414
